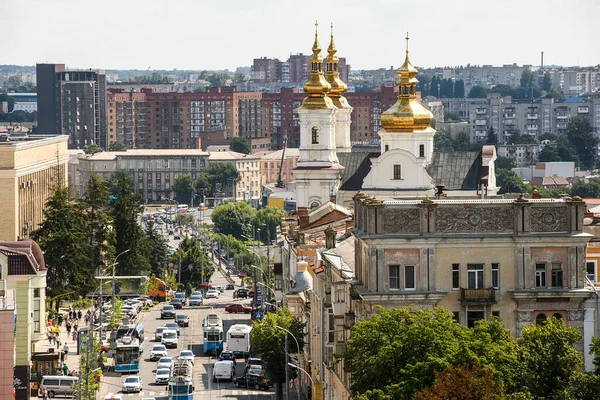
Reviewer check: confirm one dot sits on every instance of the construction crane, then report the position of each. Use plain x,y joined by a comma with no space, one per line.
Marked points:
280,183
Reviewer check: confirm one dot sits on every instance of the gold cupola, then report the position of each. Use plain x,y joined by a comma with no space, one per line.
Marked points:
316,87
407,114
338,87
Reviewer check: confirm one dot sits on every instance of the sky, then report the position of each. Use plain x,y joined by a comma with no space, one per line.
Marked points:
226,34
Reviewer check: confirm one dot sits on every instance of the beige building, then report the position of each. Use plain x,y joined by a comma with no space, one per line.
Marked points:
30,169
7,343
270,163
248,187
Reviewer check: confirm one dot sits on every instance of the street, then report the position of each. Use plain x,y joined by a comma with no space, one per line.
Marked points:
191,338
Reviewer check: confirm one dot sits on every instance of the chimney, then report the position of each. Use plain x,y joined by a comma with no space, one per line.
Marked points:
303,217
349,225
330,235
542,64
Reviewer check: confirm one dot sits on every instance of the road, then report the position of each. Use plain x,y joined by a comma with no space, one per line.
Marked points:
191,338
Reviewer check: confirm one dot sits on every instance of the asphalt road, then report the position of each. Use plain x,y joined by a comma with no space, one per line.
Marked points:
191,338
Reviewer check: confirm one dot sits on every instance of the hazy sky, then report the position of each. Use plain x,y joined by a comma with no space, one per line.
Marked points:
201,34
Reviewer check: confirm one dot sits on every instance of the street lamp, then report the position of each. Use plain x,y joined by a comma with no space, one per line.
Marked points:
307,374
113,275
287,360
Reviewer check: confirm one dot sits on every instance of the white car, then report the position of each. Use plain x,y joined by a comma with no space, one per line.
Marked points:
212,294
158,351
162,375
158,333
132,384
164,362
186,355
195,300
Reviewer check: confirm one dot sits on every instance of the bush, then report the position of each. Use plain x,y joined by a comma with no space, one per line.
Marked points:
82,303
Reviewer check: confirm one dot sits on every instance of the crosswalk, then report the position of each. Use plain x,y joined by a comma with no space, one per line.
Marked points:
198,394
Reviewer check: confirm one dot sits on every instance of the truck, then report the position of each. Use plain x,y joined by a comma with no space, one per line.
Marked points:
238,340
159,290
181,384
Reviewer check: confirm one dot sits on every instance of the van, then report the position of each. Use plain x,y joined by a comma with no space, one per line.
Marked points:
57,385
223,370
169,338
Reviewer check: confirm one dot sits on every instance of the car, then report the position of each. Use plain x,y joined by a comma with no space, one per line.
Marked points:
182,320
157,352
169,338
167,311
196,293
162,375
158,333
241,293
174,326
145,301
164,362
132,383
223,370
220,288
195,300
255,381
255,369
230,286
177,303
253,361
176,237
212,294
129,310
227,356
238,308
186,355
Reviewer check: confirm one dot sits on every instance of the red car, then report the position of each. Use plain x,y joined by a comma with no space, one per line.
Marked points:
237,308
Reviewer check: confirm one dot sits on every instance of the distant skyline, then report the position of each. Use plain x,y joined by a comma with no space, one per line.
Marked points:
198,34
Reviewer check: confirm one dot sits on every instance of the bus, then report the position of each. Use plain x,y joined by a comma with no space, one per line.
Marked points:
127,355
134,331
182,208
238,340
181,384
159,291
213,334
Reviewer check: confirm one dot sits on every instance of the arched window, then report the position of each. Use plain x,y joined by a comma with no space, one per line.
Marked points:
541,317
558,316
314,204
315,135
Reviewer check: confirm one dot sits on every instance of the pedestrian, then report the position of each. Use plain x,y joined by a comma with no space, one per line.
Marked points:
65,369
57,341
66,348
68,328
75,335
62,357
79,314
44,394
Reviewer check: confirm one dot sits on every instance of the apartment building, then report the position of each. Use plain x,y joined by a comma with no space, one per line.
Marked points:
72,103
271,163
295,69
524,155
266,70
248,187
31,168
576,82
533,118
127,114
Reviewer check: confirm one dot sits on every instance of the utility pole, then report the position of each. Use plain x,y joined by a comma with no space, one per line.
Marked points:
287,369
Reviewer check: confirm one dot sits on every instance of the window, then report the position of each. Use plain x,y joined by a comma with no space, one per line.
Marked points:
590,268
557,275
541,317
394,277
473,317
496,314
540,275
455,276
387,147
496,276
456,316
331,327
557,316
422,150
409,277
397,171
475,276
315,135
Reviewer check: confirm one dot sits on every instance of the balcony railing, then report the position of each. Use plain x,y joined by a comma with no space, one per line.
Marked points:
478,296
532,116
339,308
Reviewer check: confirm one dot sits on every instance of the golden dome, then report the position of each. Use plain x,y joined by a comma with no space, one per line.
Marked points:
338,87
407,114
316,87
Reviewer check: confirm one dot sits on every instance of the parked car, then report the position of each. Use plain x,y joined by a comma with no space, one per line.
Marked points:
182,320
132,384
230,286
167,311
253,361
176,303
158,351
212,294
253,381
186,355
238,308
221,289
241,293
162,375
227,356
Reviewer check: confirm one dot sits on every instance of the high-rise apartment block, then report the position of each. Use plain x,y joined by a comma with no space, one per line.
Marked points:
128,119
295,69
73,103
575,82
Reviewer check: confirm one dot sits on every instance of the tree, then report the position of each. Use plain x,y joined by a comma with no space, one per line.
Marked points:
233,219
589,190
505,163
117,146
547,82
527,79
549,154
240,145
492,138
584,140
459,89
443,142
560,150
269,342
239,77
217,80
269,217
183,188
125,210
478,92
452,116
503,90
158,256
92,149
549,358
219,177
509,182
193,260
62,237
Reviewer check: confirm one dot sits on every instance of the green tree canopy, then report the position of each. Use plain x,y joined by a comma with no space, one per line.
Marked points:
478,92
547,82
582,136
527,79
158,255
505,163
183,187
586,190
117,146
217,178
492,137
193,259
92,148
509,182
443,142
268,217
240,145
559,150
233,219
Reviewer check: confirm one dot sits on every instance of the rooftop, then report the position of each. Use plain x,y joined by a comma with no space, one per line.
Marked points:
276,155
230,156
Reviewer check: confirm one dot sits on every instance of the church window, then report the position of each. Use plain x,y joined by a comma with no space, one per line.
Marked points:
421,150
387,147
397,171
315,135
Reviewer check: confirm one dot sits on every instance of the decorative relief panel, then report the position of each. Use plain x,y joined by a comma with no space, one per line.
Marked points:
475,219
549,219
402,220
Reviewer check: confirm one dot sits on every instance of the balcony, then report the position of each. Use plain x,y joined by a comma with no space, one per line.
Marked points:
480,122
532,116
339,349
478,296
480,111
513,115
562,116
583,110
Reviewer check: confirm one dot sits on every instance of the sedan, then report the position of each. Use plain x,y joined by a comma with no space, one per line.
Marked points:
212,294
162,375
167,311
238,308
196,300
182,320
174,326
164,362
158,351
230,286
177,303
186,355
252,381
227,356
132,384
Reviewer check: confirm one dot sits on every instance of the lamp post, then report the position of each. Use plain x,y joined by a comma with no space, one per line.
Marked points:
113,274
287,361
303,370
